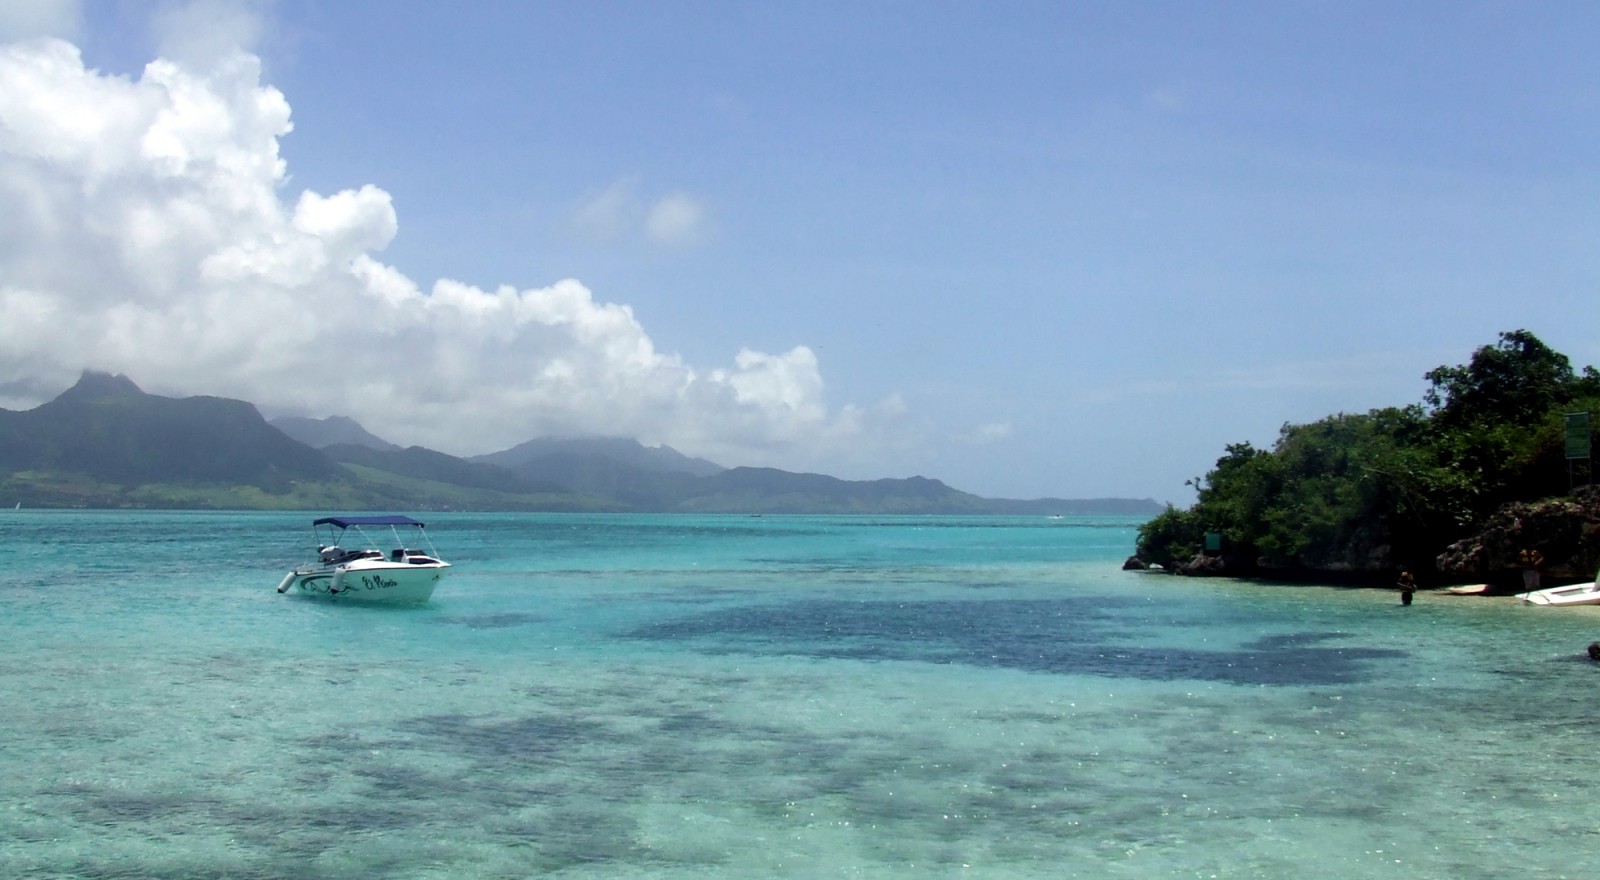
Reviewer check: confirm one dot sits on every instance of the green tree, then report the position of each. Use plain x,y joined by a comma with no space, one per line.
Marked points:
1169,538
1394,485
1517,380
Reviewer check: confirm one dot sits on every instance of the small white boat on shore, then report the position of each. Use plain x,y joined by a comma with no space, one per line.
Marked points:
1572,594
404,574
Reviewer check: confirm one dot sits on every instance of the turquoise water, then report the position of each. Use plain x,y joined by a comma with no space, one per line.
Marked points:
630,696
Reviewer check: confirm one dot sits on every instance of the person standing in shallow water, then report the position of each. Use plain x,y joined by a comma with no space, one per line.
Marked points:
1408,586
1531,560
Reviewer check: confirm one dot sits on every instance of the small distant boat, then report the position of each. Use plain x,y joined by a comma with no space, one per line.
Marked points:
1572,594
368,574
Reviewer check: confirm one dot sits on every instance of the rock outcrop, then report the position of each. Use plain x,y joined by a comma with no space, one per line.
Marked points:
1566,531
1204,565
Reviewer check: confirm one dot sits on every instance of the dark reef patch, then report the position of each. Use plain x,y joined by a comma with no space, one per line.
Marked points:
1066,636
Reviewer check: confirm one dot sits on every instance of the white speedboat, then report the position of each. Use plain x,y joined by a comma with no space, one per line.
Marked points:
368,574
1573,594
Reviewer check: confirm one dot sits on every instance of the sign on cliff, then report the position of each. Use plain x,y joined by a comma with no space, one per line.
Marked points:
1577,436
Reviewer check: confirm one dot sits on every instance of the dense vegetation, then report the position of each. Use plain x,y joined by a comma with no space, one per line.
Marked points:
1394,486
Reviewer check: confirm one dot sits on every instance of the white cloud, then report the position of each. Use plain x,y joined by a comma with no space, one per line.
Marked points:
677,219
27,19
982,435
610,214
200,33
620,212
788,381
147,232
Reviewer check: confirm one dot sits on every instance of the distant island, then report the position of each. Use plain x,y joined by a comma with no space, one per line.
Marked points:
105,443
1494,464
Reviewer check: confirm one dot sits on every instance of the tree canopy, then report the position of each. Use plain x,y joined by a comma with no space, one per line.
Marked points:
1394,486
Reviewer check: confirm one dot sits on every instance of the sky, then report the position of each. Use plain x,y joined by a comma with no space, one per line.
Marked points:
1031,249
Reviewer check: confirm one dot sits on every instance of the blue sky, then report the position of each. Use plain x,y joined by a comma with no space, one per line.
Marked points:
1031,249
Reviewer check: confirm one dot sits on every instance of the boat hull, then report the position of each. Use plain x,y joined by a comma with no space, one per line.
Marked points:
369,581
1577,594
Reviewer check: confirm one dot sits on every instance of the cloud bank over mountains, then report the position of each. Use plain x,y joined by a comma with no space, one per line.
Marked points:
151,228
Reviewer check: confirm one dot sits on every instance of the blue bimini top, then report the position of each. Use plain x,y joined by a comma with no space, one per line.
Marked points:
345,522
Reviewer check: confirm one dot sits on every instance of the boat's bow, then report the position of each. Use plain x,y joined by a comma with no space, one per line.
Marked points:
1574,594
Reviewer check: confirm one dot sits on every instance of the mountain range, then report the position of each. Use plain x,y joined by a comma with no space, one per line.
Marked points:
106,443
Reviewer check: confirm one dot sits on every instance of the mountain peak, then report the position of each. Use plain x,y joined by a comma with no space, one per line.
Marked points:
106,428
654,459
95,385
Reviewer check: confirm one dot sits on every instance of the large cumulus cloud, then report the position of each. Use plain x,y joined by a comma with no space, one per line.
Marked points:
148,230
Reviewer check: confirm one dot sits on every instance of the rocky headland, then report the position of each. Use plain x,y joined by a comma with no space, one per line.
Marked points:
1565,532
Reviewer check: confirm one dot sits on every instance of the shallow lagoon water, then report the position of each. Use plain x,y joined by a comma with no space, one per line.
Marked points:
673,696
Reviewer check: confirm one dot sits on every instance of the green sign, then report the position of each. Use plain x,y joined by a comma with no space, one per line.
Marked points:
1577,435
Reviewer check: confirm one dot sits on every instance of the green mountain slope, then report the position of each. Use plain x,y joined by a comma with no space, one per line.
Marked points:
331,431
107,429
550,455
425,464
106,443
767,490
